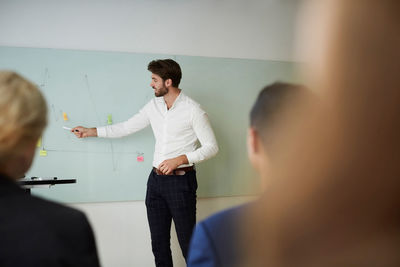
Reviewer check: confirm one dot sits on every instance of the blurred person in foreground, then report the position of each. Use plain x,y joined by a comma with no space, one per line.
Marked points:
335,198
33,231
215,242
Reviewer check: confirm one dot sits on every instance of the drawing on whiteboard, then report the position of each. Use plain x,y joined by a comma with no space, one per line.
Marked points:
114,162
42,85
53,110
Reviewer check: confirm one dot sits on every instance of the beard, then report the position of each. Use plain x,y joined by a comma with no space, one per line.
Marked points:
160,92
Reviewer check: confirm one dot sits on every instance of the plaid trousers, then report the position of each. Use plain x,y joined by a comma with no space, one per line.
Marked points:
170,197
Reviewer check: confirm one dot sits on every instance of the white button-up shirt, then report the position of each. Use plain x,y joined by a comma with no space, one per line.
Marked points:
177,130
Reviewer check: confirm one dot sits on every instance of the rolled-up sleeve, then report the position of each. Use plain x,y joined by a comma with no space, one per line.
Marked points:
132,125
206,137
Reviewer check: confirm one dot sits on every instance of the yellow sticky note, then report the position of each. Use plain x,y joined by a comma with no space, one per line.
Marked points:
39,142
43,153
65,116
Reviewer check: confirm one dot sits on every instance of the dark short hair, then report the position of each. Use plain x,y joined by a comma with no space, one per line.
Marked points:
166,69
270,104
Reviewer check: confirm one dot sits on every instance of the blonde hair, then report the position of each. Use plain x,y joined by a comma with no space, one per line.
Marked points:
23,114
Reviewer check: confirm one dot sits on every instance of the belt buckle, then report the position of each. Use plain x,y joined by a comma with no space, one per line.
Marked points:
180,172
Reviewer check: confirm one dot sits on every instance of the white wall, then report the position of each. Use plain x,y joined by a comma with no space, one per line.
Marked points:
123,235
218,28
261,29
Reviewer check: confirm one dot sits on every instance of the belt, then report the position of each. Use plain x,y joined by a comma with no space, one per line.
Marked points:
179,171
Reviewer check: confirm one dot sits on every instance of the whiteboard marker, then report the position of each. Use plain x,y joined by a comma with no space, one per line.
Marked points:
69,129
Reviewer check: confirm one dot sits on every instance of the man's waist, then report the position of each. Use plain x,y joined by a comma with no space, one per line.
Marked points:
178,171
157,163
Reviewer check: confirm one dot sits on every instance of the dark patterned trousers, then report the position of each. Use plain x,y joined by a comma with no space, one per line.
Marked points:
170,197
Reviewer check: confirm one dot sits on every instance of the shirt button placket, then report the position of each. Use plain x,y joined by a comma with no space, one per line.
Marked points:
165,139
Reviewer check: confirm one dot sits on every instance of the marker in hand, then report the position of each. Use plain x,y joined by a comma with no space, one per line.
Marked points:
82,132
70,129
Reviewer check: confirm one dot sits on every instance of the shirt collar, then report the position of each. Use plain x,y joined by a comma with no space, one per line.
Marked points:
180,97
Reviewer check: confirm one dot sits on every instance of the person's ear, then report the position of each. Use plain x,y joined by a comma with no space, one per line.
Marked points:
168,83
253,147
252,144
258,156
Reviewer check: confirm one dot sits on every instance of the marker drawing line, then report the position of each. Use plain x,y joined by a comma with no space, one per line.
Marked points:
112,154
53,109
44,81
92,99
98,121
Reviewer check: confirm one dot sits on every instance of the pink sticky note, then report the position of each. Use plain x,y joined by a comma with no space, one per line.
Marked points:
140,158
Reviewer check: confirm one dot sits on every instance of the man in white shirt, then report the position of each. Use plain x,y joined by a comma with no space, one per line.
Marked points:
178,123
